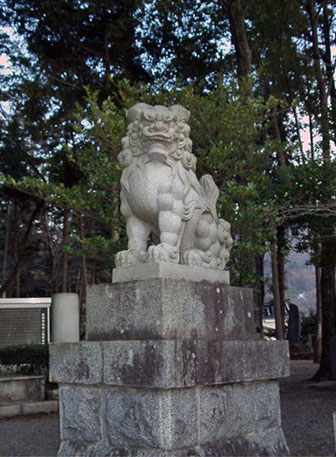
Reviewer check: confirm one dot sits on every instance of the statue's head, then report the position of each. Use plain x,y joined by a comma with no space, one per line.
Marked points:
158,132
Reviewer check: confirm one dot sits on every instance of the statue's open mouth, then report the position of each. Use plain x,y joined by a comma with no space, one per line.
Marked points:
151,137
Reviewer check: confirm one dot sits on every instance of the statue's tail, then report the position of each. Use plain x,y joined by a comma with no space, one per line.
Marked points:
211,192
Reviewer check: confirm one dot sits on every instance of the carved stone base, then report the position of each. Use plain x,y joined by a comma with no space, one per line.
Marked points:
169,309
233,419
207,395
270,443
168,270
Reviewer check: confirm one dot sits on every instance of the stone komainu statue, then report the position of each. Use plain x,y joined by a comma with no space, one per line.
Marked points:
161,197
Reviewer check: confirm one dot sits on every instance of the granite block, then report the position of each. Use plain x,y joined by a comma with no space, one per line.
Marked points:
270,443
168,363
187,363
159,364
151,419
169,309
267,405
81,413
76,363
236,361
168,270
77,449
226,412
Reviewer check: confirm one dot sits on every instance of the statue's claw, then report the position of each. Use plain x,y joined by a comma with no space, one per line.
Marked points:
129,257
162,252
193,258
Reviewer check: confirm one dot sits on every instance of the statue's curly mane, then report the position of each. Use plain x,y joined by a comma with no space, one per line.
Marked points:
146,121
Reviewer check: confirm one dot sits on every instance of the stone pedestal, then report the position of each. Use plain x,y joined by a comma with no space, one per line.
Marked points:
170,369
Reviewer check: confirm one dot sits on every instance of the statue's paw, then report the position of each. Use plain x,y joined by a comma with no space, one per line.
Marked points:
129,257
193,258
224,236
162,253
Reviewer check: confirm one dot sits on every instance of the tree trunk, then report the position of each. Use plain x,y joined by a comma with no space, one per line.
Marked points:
328,242
318,343
276,292
281,244
84,279
314,20
23,246
311,136
330,68
259,295
5,258
16,248
240,43
328,258
65,253
298,132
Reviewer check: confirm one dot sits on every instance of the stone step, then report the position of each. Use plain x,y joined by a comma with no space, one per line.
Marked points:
27,408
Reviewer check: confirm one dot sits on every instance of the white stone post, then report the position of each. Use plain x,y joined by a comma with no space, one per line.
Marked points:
65,318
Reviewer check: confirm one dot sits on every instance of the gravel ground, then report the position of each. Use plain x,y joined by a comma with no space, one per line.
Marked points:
306,416
307,410
36,436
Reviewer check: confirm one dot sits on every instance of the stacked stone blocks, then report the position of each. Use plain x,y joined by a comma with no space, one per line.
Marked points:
170,368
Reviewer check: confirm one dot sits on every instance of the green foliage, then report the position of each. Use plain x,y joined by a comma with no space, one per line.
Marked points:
226,130
26,358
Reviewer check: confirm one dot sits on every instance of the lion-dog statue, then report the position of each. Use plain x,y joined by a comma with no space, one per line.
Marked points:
161,198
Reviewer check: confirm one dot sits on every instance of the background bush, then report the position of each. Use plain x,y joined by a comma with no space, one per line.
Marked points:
26,358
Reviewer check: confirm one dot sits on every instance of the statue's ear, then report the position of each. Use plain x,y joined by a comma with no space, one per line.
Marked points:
182,114
134,113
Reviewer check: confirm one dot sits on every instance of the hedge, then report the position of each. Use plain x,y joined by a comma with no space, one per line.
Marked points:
26,358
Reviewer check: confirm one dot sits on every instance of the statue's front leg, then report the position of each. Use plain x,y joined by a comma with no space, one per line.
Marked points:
137,233
169,222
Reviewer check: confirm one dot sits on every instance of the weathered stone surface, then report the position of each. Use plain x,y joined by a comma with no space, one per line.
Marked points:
168,363
76,449
173,309
169,270
151,419
234,419
21,388
171,364
267,405
236,361
270,443
226,412
81,413
161,364
73,448
76,363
